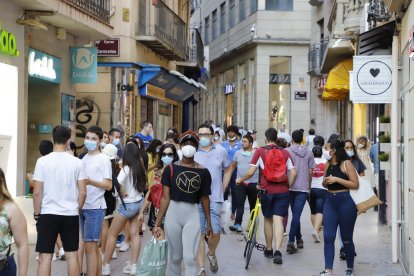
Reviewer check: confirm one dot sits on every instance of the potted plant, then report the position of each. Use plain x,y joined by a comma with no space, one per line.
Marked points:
385,125
385,145
384,160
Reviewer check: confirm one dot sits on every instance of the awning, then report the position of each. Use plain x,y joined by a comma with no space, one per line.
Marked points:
174,85
337,84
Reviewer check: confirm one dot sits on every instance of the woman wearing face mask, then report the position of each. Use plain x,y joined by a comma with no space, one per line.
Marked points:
339,209
152,150
166,156
183,188
363,149
353,155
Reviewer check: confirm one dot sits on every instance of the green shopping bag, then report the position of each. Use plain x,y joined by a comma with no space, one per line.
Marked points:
153,260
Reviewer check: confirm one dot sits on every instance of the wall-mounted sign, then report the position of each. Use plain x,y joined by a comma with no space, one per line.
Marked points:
301,95
68,109
321,83
83,64
279,78
44,66
372,79
228,88
8,44
45,128
108,48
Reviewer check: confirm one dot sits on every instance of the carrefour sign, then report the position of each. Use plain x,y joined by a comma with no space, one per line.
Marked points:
8,44
372,79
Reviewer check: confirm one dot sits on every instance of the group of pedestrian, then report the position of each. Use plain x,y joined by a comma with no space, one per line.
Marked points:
74,198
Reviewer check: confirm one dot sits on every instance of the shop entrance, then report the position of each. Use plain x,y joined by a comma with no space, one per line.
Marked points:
42,115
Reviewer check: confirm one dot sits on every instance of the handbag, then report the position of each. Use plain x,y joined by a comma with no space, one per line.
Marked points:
156,192
153,260
364,197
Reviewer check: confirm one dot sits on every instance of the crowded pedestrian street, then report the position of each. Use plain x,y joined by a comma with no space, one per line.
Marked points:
371,240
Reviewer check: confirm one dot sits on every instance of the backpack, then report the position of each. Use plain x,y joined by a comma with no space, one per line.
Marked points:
275,169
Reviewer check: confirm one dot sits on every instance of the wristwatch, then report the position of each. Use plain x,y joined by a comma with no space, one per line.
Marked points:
36,216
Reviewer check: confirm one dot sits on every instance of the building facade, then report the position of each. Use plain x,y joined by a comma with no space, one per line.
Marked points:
256,56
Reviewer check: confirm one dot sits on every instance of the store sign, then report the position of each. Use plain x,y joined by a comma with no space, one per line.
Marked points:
108,48
301,95
8,44
322,82
84,64
279,78
229,88
372,79
44,66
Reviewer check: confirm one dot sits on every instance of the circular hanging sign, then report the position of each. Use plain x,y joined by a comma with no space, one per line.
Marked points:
374,77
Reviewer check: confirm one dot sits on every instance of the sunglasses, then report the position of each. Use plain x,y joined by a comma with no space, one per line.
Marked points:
168,154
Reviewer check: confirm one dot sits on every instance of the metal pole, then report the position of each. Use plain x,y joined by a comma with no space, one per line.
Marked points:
394,149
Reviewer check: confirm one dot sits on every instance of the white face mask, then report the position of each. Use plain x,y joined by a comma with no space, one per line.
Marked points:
350,153
188,151
326,155
216,138
232,139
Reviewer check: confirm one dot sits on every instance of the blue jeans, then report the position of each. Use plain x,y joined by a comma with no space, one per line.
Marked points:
297,201
339,210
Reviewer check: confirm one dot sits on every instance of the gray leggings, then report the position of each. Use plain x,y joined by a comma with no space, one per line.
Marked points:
182,229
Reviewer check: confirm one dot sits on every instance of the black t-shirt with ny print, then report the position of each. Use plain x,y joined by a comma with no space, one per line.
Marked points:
187,184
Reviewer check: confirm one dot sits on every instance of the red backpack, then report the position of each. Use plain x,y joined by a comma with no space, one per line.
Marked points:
275,169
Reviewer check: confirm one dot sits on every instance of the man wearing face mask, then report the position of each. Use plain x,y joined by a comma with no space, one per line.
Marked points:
232,145
241,163
215,159
115,139
98,170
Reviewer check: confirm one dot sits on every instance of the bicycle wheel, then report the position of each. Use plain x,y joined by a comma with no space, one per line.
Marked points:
251,243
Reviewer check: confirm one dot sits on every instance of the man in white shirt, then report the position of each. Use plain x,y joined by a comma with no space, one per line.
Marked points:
59,192
98,171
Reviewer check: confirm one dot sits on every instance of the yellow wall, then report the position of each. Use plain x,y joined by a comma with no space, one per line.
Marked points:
360,120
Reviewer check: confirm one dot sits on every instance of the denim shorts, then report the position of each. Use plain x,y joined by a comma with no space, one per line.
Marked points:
215,212
317,200
131,210
91,223
275,205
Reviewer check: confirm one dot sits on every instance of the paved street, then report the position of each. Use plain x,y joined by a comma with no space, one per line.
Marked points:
373,245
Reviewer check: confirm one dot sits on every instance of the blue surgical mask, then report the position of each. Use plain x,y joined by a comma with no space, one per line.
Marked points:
205,142
167,160
350,153
90,145
246,153
116,142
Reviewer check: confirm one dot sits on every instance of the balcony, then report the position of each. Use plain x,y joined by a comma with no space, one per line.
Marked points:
353,12
314,59
162,30
84,18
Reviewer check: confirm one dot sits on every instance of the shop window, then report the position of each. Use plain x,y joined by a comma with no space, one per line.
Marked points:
279,93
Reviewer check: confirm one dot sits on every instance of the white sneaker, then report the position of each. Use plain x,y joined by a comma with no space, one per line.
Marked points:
55,258
106,270
114,255
130,269
124,247
62,254
316,237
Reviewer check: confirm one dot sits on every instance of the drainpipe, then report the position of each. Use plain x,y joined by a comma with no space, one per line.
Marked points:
394,149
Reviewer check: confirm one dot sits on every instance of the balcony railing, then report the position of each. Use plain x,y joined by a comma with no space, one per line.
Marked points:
168,29
314,59
99,9
316,55
196,48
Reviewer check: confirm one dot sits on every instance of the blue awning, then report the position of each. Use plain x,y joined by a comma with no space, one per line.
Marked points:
176,86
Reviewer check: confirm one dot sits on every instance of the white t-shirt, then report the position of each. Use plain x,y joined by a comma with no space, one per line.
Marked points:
97,167
59,172
125,178
317,174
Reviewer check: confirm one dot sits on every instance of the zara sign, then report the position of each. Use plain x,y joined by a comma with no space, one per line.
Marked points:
372,79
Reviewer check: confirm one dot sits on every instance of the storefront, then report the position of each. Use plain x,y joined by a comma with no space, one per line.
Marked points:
12,100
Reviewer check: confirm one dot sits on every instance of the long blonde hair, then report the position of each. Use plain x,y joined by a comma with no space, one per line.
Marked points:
4,192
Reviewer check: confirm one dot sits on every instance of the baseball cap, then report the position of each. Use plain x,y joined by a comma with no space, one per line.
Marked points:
189,136
285,136
111,151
